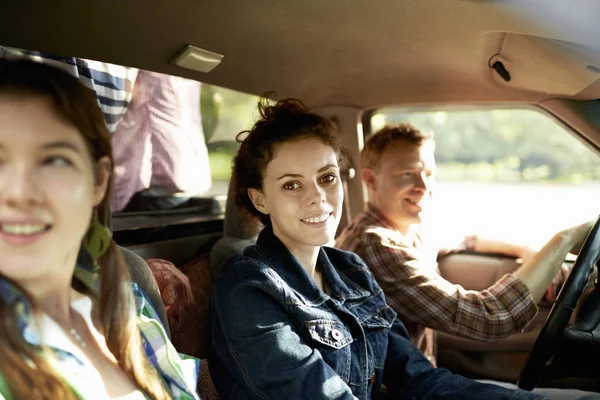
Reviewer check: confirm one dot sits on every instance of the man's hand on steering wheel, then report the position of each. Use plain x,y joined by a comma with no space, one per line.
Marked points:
588,246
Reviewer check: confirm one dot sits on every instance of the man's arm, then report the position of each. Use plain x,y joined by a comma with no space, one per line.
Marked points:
541,271
418,293
482,244
538,273
448,242
486,245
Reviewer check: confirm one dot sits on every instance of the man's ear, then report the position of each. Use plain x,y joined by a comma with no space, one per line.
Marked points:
258,199
102,176
369,178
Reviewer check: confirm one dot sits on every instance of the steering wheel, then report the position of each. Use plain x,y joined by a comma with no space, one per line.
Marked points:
561,311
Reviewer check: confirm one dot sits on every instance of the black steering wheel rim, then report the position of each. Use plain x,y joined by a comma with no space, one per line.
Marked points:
562,310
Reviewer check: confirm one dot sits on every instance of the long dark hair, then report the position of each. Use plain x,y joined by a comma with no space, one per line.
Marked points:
25,370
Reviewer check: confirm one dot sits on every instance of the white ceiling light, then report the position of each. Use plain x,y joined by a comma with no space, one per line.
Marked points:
197,59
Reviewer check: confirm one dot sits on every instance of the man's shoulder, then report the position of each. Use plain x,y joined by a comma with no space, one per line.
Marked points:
366,231
356,232
379,246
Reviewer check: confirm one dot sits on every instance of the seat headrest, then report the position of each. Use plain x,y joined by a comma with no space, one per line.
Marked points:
238,222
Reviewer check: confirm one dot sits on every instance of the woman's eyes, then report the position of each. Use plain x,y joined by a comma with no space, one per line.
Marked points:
53,161
57,161
291,185
329,178
325,179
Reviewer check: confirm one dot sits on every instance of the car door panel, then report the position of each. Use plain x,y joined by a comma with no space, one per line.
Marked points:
502,360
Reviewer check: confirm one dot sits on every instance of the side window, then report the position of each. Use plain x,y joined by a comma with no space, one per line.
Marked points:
174,145
512,174
225,113
173,139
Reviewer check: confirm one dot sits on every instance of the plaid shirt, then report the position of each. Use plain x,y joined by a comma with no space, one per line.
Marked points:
409,276
179,372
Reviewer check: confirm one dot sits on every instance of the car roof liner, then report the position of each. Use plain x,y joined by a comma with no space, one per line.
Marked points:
332,53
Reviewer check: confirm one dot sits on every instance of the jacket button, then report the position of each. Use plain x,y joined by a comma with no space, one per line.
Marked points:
336,334
372,379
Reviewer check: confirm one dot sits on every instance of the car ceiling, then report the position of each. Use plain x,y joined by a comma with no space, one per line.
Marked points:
354,53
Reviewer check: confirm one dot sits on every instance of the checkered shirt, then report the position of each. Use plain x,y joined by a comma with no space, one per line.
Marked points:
179,372
410,278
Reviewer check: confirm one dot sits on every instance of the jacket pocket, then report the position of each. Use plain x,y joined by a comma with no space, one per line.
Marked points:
330,333
380,319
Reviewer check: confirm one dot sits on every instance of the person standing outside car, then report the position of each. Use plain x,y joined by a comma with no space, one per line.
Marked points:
399,171
294,319
156,128
68,331
159,144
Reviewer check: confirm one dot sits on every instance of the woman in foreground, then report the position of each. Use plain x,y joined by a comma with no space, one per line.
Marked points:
291,319
67,332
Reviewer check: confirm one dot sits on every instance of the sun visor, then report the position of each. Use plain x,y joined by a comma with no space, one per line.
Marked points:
545,65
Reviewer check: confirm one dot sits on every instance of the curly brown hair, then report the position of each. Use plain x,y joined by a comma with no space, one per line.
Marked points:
288,119
377,142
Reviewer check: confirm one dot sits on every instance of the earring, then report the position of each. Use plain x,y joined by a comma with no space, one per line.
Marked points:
97,240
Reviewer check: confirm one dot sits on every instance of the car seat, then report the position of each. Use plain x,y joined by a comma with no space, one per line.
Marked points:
240,230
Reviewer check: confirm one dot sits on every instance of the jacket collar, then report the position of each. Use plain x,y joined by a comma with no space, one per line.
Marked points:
279,258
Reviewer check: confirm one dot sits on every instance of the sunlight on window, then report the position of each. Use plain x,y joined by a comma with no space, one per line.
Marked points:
512,174
440,118
378,121
225,113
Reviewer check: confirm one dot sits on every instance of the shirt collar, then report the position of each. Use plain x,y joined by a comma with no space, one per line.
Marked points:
378,217
18,302
156,344
287,266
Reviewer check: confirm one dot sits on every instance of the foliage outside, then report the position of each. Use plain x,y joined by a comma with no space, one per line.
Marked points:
225,113
501,172
500,145
486,145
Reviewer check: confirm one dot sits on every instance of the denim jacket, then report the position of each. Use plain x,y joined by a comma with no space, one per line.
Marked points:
274,334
